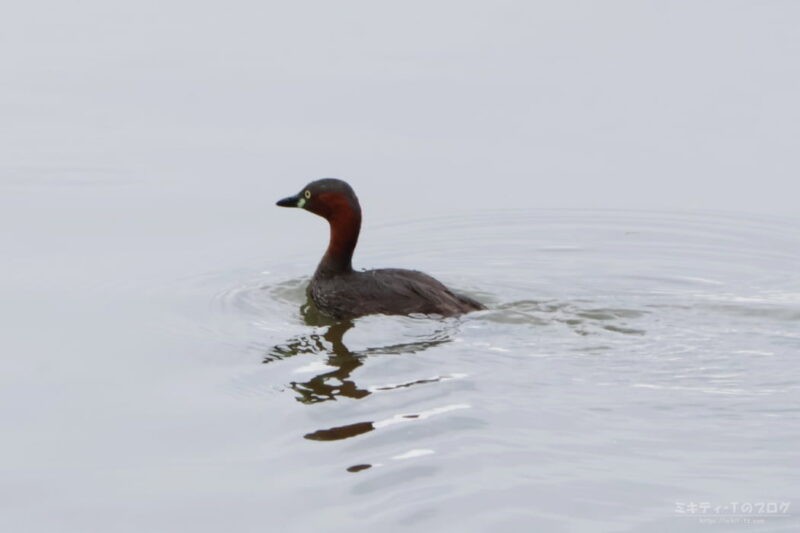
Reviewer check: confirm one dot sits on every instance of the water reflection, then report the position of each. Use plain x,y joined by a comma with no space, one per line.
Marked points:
341,432
336,381
329,385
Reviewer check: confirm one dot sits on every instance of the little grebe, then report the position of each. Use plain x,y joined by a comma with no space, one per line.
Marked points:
341,292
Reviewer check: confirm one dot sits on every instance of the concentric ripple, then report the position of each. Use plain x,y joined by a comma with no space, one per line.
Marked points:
621,342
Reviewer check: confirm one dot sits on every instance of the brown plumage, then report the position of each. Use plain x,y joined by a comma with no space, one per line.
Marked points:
341,292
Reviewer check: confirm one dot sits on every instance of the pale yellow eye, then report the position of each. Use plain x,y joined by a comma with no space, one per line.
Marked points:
307,194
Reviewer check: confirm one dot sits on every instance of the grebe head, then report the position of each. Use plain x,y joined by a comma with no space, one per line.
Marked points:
329,198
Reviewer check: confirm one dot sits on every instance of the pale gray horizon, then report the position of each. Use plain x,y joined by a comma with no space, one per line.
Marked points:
643,105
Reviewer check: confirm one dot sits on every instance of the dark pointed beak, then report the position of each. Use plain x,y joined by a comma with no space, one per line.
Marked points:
289,201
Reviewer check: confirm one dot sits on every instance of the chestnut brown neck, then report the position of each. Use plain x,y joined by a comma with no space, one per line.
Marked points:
344,216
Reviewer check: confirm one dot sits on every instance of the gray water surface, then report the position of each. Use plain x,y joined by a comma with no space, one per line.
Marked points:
592,171
630,363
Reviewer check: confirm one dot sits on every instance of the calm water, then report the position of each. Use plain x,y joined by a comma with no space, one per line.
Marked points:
165,373
161,372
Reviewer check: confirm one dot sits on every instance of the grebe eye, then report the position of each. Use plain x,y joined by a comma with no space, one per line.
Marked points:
307,194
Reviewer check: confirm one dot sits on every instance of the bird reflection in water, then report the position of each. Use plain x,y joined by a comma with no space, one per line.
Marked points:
338,382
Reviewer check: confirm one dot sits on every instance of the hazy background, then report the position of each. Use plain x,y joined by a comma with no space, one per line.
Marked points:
629,104
145,271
